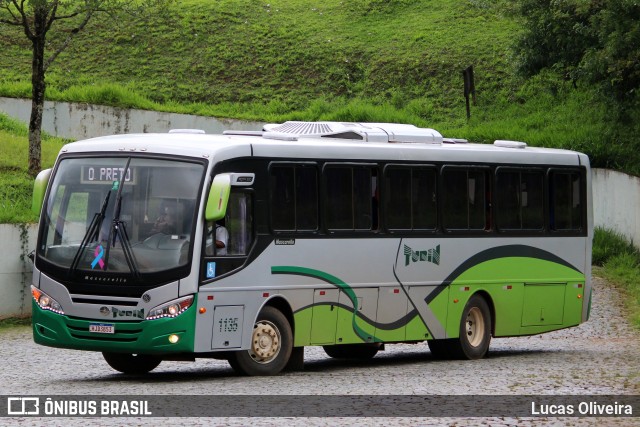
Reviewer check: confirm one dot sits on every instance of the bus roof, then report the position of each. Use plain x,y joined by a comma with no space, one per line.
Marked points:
327,141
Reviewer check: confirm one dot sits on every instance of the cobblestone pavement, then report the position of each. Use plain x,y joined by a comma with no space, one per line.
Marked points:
601,356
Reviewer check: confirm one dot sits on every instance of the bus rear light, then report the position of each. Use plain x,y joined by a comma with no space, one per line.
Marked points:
45,302
170,309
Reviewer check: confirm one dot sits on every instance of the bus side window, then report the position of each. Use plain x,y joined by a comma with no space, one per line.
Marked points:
217,238
520,199
466,199
565,203
294,197
233,235
349,197
410,198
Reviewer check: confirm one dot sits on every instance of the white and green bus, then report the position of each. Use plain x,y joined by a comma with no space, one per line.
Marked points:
350,236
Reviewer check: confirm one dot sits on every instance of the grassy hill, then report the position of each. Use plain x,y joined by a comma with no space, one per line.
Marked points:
293,51
364,60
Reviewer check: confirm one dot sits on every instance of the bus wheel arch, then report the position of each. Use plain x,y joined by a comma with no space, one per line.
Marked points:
282,305
492,309
271,345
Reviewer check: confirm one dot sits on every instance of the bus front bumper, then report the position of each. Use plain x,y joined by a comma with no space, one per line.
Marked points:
143,337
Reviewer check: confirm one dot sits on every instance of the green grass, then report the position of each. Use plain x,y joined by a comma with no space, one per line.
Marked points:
14,322
16,185
620,261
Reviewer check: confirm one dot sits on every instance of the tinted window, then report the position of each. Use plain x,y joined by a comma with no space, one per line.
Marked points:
294,198
465,196
410,195
349,198
565,195
520,200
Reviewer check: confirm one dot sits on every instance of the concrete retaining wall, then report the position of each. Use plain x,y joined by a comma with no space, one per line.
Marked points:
15,273
616,202
80,121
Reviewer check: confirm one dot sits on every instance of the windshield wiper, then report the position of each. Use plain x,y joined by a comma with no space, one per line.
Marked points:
119,229
92,234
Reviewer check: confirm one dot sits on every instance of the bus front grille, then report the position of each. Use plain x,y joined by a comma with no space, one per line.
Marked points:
124,331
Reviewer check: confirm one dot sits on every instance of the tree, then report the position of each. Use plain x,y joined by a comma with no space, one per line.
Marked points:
597,41
37,18
557,35
615,60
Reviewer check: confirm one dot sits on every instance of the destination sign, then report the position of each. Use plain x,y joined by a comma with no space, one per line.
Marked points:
106,174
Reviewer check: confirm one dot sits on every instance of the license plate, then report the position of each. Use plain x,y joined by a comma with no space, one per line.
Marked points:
102,328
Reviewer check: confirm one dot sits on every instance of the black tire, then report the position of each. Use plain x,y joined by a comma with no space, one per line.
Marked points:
475,330
132,364
271,346
352,351
475,334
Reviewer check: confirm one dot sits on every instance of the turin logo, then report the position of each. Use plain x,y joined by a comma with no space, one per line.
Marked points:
431,255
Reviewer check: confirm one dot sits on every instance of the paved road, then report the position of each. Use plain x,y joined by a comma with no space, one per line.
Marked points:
601,356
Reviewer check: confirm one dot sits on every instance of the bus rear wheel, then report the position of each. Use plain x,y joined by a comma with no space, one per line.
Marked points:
271,345
132,364
352,351
475,334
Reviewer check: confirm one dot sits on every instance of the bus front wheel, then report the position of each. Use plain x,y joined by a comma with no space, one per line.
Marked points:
132,363
271,345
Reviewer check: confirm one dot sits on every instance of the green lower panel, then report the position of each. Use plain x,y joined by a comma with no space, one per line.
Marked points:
416,330
350,329
302,328
147,336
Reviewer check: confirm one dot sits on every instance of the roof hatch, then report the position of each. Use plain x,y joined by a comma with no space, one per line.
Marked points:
509,144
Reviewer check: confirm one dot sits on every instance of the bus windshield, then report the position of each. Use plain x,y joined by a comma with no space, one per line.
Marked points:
101,215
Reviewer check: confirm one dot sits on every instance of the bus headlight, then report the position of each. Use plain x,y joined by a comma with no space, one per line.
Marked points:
170,309
45,301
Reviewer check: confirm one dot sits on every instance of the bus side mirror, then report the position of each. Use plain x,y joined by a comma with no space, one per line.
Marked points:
39,190
218,197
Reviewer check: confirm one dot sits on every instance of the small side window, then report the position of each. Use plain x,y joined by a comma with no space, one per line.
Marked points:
233,235
565,201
